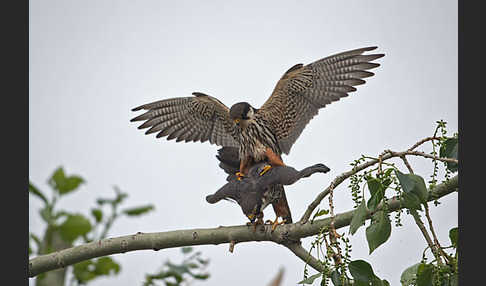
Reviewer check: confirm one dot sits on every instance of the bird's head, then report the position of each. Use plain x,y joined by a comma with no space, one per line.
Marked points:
241,112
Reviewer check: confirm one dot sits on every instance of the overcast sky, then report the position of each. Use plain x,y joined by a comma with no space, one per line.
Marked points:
91,62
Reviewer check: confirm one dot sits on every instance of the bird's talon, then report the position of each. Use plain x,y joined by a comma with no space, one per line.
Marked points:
265,169
275,223
239,176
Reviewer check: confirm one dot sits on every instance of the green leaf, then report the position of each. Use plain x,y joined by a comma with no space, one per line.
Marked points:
186,249
377,191
336,278
203,261
201,276
425,274
83,271
177,276
120,196
374,185
179,269
388,172
106,266
45,213
88,270
379,231
414,184
192,265
138,210
387,182
454,280
37,241
409,275
411,201
359,217
320,213
453,235
384,282
63,184
361,271
97,214
375,281
375,200
74,226
449,149
310,280
35,191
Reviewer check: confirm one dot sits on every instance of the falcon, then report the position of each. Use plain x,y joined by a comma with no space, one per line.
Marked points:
267,132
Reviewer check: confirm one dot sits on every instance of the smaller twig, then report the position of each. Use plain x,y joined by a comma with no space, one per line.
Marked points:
232,246
436,241
422,154
305,255
407,164
422,142
336,257
426,235
380,161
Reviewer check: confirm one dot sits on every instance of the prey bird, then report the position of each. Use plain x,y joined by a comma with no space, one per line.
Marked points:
273,194
252,192
261,133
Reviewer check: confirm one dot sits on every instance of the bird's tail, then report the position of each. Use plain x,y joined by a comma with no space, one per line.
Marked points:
229,160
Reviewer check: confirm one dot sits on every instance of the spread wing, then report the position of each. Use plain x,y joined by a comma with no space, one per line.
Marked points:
303,90
199,118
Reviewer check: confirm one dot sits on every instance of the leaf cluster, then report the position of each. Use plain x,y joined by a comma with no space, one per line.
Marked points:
71,227
191,268
412,192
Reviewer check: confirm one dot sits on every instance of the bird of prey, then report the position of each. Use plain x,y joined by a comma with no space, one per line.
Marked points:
267,132
251,192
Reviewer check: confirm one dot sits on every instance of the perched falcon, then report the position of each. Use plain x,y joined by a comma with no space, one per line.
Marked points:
271,130
251,193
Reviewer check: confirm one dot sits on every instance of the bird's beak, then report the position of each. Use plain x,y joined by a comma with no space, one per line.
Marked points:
251,217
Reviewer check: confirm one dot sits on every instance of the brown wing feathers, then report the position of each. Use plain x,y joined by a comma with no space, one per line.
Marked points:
303,90
200,118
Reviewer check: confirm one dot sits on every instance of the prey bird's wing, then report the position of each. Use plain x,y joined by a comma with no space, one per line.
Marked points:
229,161
304,89
198,118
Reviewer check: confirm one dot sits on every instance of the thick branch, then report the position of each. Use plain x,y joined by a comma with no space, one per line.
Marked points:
284,234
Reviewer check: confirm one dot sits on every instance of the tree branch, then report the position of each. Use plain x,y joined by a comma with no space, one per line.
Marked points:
284,235
303,254
387,154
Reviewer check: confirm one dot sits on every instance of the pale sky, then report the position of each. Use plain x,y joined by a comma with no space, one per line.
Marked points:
91,62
